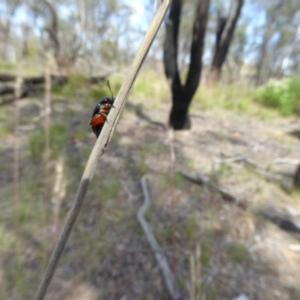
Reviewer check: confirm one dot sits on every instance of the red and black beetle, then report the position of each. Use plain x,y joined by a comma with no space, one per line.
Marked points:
100,113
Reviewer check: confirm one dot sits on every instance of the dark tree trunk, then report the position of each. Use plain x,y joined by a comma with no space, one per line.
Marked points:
224,35
182,94
297,178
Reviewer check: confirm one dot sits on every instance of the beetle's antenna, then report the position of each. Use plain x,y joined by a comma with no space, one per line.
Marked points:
110,88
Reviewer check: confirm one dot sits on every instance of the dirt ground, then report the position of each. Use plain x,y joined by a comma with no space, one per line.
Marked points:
108,256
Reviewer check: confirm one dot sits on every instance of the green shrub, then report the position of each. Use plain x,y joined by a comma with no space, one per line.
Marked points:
283,95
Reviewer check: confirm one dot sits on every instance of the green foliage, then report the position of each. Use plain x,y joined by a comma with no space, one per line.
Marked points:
98,93
110,189
205,253
24,211
142,166
238,251
6,66
63,90
37,141
4,131
37,144
150,89
209,292
58,137
232,97
283,95
75,82
7,239
191,226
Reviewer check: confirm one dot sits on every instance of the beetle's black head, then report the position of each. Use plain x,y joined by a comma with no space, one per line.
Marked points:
101,104
107,100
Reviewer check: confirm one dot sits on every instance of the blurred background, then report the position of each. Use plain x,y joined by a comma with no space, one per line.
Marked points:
212,122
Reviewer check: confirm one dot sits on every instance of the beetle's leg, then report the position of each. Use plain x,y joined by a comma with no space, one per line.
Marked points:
102,114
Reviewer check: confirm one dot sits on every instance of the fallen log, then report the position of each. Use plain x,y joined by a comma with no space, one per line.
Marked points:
31,84
8,90
56,79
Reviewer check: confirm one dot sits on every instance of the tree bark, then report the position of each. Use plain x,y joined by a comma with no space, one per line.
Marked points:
52,30
262,57
297,178
225,29
182,94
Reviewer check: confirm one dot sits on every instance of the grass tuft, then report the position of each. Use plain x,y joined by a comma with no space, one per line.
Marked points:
238,251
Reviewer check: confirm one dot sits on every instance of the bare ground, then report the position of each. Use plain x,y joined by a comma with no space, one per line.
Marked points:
108,256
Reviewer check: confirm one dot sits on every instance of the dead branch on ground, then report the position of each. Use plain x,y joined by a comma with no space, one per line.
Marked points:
159,254
282,222
242,159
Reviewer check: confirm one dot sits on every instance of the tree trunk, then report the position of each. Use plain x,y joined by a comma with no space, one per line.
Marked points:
224,35
182,94
52,30
262,57
297,178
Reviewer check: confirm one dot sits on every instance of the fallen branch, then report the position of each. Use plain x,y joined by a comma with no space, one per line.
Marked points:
205,180
33,84
159,254
100,146
286,160
55,79
242,159
281,222
9,90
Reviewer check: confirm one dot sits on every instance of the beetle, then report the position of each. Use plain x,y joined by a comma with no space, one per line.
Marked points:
101,112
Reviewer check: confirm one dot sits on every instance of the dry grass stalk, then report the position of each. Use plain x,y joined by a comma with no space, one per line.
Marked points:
59,191
16,168
195,270
100,146
16,165
47,136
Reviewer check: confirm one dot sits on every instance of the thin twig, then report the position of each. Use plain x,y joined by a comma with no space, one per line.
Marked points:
16,171
127,191
195,271
159,254
47,136
17,95
170,134
100,146
59,192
